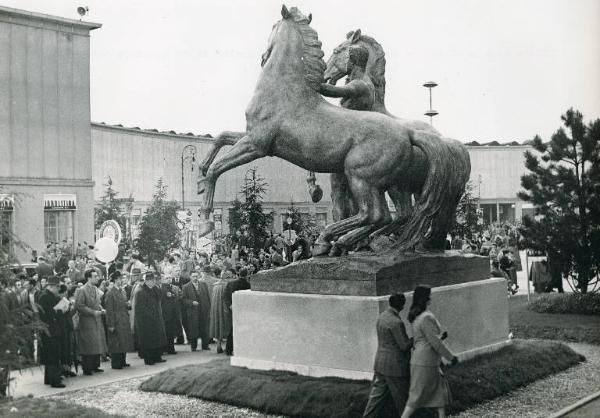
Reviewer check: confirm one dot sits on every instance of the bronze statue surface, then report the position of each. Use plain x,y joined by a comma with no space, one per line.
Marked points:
287,117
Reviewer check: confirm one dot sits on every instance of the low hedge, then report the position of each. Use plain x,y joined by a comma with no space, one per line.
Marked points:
567,303
483,378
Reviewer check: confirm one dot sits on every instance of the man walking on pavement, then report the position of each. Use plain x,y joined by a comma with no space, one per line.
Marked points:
392,360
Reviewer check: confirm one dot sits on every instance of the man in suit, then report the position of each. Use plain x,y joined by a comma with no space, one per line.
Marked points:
392,360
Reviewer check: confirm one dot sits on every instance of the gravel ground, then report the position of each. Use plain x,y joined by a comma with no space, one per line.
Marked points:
125,399
546,396
539,399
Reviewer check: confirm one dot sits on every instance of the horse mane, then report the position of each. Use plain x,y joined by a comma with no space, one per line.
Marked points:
377,70
312,57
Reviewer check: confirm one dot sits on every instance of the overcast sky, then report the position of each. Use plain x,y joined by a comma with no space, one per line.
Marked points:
506,70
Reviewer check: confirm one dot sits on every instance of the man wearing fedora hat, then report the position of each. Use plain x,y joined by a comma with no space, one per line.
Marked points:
51,342
91,336
392,369
119,336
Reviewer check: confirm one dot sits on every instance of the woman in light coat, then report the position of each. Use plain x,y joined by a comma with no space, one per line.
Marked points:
428,385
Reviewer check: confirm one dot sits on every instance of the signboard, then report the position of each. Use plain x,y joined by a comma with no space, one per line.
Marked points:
111,229
60,202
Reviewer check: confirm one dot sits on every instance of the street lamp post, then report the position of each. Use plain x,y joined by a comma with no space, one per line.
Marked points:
431,113
191,149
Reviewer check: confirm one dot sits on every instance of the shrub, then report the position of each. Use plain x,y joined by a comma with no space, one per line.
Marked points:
567,303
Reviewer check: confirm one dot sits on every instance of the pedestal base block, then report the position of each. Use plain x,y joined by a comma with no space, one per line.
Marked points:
334,335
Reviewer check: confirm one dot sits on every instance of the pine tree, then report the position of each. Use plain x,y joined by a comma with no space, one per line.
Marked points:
467,221
564,188
304,224
158,227
110,207
247,221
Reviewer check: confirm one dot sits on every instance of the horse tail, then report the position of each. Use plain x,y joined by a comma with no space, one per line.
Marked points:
449,167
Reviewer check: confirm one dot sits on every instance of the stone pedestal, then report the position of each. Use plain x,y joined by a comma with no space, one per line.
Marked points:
334,335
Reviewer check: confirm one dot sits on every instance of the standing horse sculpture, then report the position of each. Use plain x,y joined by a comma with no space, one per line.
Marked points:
338,67
288,118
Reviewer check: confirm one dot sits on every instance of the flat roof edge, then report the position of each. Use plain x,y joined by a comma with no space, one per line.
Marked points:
48,18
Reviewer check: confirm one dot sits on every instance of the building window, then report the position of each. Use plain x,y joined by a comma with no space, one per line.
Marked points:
58,226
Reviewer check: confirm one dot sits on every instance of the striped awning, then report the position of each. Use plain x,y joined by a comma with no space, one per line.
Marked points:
7,202
60,202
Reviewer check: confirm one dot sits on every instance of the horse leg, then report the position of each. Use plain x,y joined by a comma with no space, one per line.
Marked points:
244,151
366,195
403,203
224,138
378,215
343,203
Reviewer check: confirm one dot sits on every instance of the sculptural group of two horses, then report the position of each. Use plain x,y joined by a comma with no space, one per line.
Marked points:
423,173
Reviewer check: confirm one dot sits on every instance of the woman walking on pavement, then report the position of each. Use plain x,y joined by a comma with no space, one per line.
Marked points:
428,385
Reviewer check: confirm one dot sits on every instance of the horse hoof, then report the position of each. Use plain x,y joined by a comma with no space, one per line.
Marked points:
336,251
320,249
205,228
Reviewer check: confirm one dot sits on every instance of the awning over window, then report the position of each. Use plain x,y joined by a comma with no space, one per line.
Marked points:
60,202
7,202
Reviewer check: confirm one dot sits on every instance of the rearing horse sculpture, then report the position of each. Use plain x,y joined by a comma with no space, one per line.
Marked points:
288,118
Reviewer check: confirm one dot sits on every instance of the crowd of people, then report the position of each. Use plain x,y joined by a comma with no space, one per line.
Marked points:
95,312
499,242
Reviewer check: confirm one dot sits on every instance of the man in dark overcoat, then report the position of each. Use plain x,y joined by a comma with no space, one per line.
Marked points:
392,360
51,342
43,269
148,321
196,302
119,336
241,283
91,338
170,295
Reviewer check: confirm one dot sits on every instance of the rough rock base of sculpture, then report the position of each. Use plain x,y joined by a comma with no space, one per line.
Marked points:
334,335
369,274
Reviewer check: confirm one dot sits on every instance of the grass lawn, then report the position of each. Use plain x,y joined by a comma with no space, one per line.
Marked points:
47,408
483,378
525,323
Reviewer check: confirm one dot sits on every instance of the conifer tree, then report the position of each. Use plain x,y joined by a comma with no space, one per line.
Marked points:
247,221
110,207
159,233
563,184
467,221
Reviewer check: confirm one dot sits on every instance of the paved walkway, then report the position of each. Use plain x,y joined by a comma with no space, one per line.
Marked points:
31,381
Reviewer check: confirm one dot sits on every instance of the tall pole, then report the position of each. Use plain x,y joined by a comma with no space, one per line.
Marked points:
192,156
182,185
431,113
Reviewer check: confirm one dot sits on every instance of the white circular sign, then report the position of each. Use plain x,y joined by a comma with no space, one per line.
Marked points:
112,230
106,250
